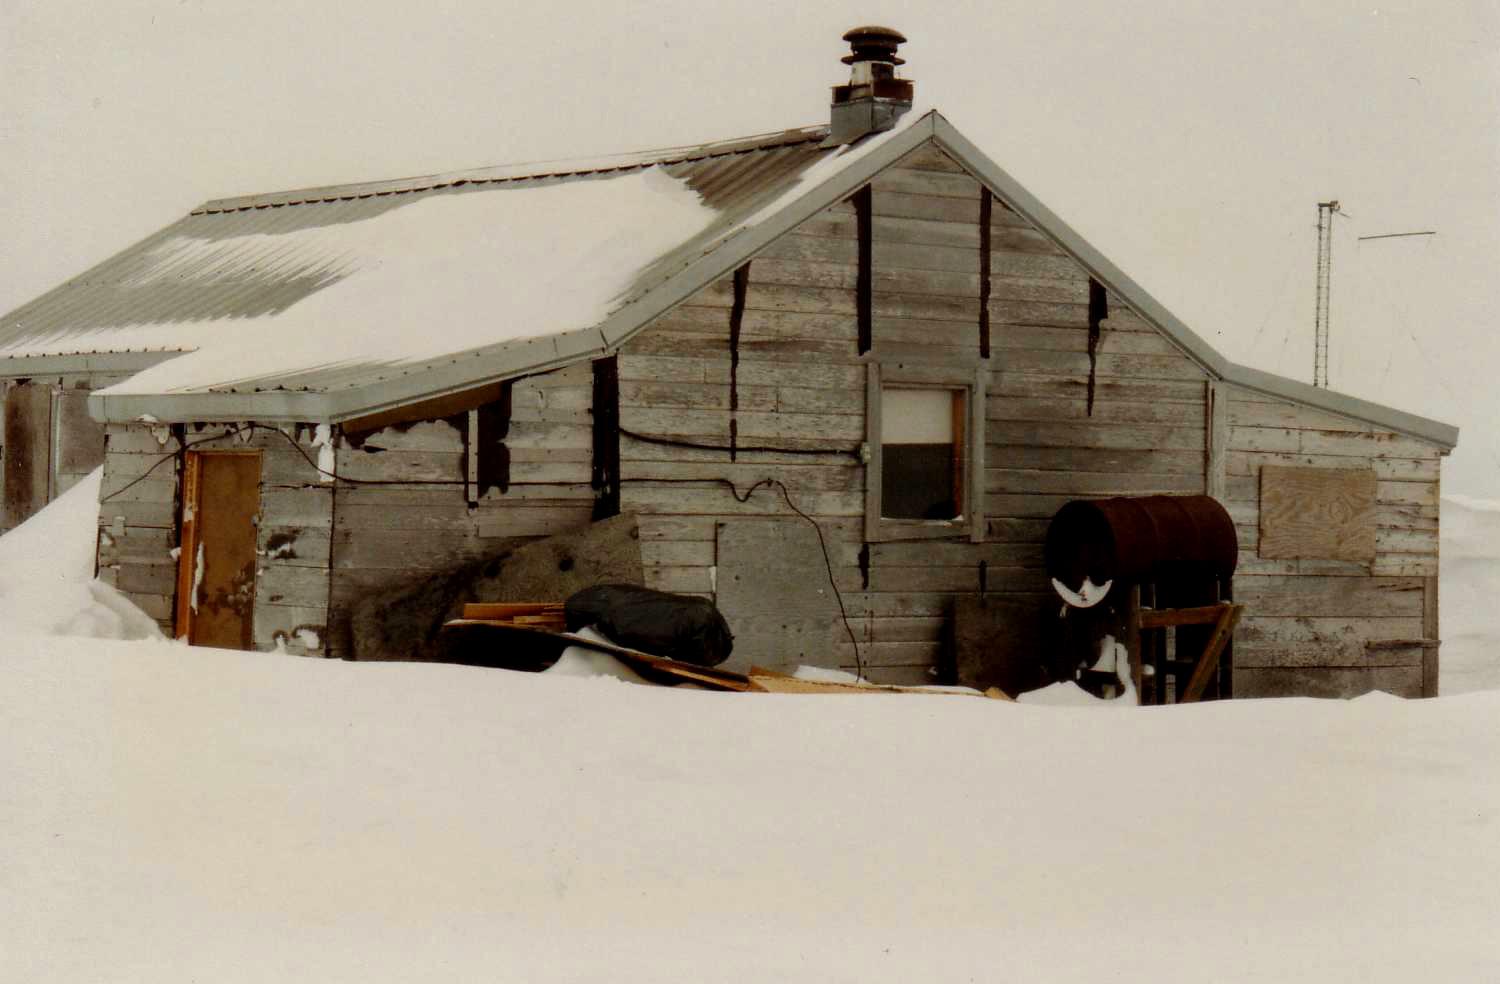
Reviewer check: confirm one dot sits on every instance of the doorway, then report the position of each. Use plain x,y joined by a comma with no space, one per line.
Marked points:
216,569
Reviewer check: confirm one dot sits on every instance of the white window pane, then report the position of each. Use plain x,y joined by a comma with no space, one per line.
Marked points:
916,416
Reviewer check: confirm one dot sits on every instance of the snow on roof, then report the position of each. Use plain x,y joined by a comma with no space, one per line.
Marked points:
334,288
439,274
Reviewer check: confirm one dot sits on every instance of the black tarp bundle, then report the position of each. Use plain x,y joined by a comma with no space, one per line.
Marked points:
679,627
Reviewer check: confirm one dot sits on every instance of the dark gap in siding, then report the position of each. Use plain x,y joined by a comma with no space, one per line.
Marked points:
864,566
604,470
984,576
179,506
494,456
736,318
1098,311
864,286
986,207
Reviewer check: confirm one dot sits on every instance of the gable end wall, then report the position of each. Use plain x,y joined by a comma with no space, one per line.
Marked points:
800,383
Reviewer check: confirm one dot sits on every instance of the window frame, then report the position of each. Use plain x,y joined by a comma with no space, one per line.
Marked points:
967,379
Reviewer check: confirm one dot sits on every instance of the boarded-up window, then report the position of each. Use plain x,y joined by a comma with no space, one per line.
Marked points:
1317,513
922,441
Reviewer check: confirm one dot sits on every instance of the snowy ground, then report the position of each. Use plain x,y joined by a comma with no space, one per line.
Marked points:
174,814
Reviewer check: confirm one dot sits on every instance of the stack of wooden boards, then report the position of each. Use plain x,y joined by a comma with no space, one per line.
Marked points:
548,617
544,615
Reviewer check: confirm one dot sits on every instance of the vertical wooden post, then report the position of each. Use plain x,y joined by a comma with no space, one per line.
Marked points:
1430,633
187,562
1216,441
958,424
1133,636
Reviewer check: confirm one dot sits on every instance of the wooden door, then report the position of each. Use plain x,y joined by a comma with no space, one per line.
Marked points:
216,571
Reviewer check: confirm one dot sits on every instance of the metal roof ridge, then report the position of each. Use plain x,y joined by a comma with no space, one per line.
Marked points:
532,170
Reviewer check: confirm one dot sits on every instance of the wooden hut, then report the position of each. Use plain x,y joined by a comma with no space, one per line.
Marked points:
843,375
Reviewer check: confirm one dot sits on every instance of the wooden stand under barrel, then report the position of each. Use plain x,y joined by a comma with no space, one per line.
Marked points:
1209,675
1155,575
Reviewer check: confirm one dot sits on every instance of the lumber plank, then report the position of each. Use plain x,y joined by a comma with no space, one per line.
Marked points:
1092,434
911,181
1157,618
1208,662
771,681
707,676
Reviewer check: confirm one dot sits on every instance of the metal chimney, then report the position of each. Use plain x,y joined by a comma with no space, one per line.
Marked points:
874,98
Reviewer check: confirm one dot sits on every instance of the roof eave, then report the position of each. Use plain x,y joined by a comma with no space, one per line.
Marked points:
84,363
455,374
1377,414
477,367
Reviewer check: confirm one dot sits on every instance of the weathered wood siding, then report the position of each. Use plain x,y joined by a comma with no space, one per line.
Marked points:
800,383
140,523
1309,623
389,535
49,442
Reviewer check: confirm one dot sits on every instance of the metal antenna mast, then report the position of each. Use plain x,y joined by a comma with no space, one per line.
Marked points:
1326,211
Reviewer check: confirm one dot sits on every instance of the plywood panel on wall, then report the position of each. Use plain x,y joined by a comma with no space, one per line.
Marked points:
773,591
1321,513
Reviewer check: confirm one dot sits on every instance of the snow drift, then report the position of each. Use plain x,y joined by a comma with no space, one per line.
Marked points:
47,581
175,814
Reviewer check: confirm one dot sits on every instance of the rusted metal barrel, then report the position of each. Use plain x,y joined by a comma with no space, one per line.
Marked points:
1140,539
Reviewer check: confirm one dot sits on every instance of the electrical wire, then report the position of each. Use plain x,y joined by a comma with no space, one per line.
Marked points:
673,442
242,428
777,484
733,489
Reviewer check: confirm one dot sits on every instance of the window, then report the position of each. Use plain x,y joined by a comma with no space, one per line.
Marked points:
925,438
922,461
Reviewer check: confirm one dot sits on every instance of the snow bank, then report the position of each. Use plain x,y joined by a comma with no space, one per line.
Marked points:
176,815
1469,588
47,581
580,661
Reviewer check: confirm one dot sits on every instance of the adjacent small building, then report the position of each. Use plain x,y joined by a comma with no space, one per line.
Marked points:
842,374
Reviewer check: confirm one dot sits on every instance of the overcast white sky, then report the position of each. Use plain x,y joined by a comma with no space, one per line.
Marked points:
1189,141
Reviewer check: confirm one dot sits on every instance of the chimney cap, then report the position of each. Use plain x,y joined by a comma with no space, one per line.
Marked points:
874,43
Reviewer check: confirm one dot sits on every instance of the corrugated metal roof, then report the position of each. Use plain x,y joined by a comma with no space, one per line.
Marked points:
760,187
231,259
